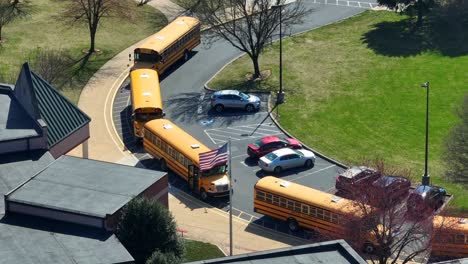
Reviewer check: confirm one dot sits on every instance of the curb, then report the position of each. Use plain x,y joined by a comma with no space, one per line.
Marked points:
321,155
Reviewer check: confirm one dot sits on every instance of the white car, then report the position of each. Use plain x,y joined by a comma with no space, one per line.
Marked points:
286,158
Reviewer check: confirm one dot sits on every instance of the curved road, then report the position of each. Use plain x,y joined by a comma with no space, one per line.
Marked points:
186,103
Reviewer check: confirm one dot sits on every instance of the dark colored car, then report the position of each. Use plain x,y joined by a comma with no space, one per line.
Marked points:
269,144
426,199
361,175
394,188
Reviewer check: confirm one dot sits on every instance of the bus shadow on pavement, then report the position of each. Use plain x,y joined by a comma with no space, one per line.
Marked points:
277,230
190,201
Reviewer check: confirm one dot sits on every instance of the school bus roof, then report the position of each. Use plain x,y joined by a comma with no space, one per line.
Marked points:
145,89
451,223
304,194
177,138
170,33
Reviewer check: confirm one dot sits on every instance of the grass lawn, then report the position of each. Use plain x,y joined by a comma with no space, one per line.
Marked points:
353,91
43,29
197,250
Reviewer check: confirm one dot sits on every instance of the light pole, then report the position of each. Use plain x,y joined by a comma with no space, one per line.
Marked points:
279,5
425,179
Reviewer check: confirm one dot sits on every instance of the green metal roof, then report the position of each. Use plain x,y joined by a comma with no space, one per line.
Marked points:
62,117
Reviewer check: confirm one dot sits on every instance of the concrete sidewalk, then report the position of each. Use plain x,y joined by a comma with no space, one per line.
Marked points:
201,222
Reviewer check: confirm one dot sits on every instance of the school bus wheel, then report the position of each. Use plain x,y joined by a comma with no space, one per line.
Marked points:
293,225
203,194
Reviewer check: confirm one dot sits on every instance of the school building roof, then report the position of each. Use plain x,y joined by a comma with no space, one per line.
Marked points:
85,187
336,252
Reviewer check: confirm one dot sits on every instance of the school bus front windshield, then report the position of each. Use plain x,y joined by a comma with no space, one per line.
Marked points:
214,171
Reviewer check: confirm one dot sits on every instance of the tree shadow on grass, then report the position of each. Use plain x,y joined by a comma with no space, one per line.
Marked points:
440,33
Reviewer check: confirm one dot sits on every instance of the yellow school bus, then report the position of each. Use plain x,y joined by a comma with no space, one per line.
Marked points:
450,236
173,42
177,150
302,206
146,99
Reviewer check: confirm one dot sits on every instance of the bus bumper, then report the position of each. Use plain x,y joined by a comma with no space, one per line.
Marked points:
218,194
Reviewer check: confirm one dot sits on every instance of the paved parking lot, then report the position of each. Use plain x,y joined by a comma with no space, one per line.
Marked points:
240,128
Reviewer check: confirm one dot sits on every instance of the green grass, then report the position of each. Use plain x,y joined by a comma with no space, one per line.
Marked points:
44,29
197,250
353,90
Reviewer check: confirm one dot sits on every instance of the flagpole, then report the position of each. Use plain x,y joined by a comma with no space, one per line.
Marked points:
230,197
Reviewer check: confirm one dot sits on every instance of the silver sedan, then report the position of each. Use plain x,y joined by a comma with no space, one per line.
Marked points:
286,158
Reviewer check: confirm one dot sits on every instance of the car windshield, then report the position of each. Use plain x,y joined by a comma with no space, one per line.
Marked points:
422,189
258,143
244,96
385,181
298,153
271,156
216,170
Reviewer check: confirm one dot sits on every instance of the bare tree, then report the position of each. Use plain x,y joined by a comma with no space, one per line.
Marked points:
52,65
11,10
91,12
252,22
387,230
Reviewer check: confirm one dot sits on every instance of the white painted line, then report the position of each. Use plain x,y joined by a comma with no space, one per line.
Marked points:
243,163
200,109
208,135
359,3
238,156
348,2
308,174
228,132
224,136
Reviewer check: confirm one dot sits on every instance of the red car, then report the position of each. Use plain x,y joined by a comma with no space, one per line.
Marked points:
268,144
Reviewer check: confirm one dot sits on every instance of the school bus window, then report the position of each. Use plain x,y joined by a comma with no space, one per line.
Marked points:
305,209
275,200
460,239
320,213
290,205
283,202
313,211
297,207
327,216
269,198
261,195
334,218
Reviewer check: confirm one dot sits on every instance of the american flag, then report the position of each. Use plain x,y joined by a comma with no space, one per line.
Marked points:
213,158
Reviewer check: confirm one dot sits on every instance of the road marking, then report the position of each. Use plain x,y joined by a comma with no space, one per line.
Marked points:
200,101
243,163
226,136
242,155
308,174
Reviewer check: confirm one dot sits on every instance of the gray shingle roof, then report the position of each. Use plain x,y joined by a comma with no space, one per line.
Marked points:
32,240
88,187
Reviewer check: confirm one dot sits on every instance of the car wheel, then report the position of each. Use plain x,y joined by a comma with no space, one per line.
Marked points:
203,195
293,225
249,108
186,55
309,164
368,248
277,170
219,108
162,165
